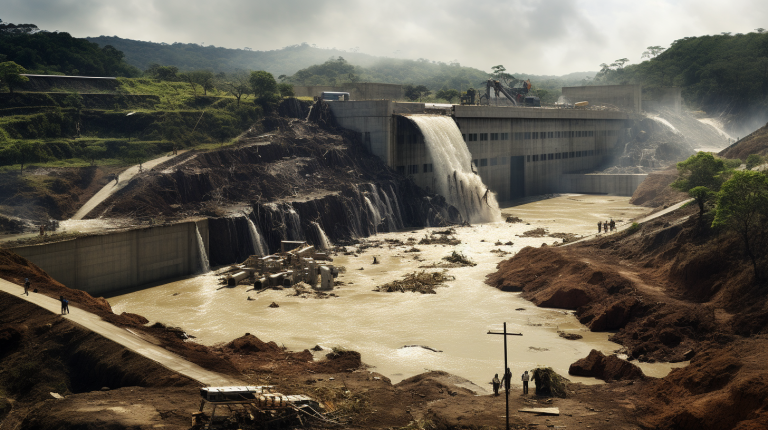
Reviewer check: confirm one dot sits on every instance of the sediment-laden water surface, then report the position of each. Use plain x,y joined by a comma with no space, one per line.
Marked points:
378,325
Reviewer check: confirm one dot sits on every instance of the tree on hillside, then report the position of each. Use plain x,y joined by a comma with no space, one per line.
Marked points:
190,80
652,51
10,75
414,93
754,160
262,83
447,94
205,79
237,84
700,176
163,73
742,206
285,89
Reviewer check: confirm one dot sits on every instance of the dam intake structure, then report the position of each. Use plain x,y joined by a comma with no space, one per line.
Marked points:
454,177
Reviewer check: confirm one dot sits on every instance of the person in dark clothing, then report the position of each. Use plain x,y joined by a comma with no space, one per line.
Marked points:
612,224
599,227
496,384
26,286
507,379
64,305
605,226
525,378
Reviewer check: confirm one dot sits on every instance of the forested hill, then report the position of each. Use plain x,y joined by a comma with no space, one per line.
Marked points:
191,56
720,74
60,53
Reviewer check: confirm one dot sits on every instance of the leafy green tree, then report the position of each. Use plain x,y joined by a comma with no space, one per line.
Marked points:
754,160
10,75
262,83
205,79
163,73
285,89
447,94
742,207
652,51
415,93
237,84
699,176
189,78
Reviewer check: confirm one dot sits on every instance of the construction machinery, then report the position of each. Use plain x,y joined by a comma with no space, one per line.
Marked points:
516,92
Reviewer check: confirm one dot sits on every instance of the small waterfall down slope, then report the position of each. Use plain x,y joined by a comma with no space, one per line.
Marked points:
452,162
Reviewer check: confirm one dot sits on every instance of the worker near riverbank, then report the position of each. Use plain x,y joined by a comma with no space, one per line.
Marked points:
599,227
64,305
496,384
605,226
26,286
525,378
612,224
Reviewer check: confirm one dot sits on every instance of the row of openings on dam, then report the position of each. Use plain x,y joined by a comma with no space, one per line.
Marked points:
428,162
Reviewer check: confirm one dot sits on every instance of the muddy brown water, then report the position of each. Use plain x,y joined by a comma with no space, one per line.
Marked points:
378,325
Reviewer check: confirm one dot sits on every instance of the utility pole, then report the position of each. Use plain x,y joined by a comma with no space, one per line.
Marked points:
506,387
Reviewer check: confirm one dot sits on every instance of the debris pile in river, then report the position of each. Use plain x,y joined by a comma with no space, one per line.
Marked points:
417,282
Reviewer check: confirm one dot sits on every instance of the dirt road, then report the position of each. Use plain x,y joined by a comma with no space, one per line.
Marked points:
123,180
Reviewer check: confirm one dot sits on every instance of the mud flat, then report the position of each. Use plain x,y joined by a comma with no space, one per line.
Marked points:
378,325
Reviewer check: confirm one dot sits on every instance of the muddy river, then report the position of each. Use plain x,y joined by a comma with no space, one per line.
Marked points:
455,321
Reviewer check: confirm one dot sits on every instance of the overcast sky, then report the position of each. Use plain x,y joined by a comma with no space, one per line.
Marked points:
538,37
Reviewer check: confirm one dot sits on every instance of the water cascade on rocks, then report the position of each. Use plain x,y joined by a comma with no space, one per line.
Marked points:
325,243
453,174
205,266
259,245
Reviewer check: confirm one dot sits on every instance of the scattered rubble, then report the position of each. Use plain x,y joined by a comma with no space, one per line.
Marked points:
419,282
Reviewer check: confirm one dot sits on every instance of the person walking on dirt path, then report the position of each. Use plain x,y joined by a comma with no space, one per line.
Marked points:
525,378
117,178
612,224
599,227
26,286
64,305
496,384
507,379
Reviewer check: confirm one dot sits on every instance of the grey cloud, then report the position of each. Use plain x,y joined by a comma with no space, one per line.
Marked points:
545,37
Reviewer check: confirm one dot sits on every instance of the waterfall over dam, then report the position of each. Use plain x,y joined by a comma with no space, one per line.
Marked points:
454,178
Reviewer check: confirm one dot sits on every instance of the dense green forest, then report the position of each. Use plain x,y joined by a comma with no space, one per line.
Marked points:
307,65
191,56
45,52
723,73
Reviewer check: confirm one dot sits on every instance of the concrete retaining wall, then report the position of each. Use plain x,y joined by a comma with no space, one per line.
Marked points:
103,264
615,185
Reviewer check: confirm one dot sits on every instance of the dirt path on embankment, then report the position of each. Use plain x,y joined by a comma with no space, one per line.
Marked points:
673,290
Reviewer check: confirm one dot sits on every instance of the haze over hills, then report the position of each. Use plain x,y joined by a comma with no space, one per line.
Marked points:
292,59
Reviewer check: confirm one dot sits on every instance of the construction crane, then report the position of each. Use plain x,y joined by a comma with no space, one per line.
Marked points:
515,93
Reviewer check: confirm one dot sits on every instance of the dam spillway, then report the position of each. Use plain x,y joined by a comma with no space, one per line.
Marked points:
452,167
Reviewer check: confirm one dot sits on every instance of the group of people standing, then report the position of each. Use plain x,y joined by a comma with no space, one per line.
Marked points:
525,377
605,225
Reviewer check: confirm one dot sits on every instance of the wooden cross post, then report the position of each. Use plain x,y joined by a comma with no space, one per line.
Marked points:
506,387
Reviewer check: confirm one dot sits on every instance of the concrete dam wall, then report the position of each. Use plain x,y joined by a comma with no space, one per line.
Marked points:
106,263
110,262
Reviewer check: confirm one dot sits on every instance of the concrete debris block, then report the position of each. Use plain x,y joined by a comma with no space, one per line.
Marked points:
57,396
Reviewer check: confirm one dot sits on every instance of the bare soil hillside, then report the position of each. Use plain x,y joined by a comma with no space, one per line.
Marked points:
672,290
755,143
